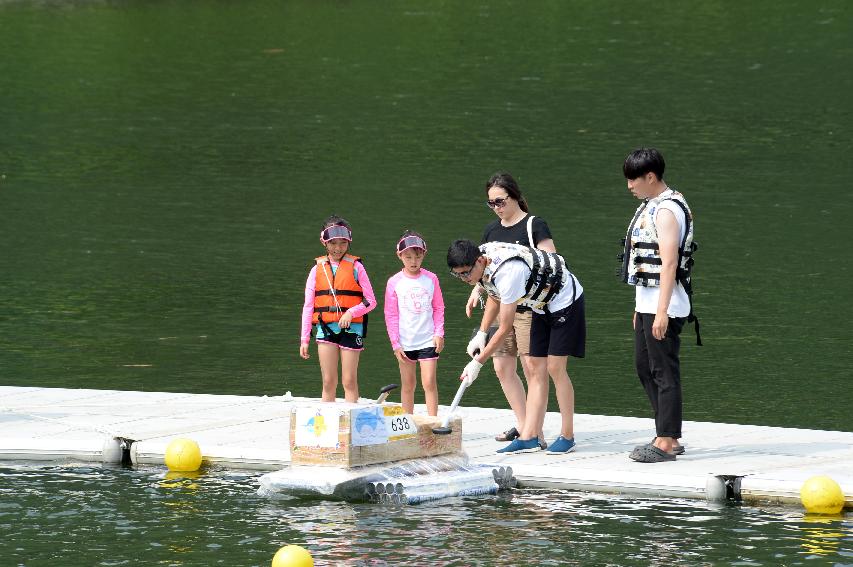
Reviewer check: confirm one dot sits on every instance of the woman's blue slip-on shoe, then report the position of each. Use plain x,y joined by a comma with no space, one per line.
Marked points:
561,446
521,446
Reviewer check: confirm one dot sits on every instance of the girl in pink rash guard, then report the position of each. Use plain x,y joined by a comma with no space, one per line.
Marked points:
414,317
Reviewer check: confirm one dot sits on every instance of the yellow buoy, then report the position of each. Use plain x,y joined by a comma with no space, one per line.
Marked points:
292,556
822,495
183,455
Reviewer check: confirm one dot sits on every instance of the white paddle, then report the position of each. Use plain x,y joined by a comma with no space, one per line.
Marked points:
445,428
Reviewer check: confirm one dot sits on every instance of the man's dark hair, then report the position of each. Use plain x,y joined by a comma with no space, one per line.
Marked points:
642,161
462,253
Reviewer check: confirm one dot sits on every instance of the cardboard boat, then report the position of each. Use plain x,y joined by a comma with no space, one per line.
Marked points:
378,453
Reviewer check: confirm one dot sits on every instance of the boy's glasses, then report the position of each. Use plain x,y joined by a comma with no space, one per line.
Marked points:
462,275
499,202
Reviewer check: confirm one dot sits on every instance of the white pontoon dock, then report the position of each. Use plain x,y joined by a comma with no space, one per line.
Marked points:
746,462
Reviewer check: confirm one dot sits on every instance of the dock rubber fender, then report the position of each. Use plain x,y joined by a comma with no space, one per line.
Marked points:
116,450
723,487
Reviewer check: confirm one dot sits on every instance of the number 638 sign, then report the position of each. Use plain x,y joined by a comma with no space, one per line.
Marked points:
399,425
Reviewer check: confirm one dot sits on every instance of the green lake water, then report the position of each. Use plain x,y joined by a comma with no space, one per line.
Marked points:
165,167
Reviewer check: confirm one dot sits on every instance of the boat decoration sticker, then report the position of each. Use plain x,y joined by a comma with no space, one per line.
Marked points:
374,425
367,426
317,427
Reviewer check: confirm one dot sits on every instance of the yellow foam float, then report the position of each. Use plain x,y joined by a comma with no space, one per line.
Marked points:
292,556
822,495
183,455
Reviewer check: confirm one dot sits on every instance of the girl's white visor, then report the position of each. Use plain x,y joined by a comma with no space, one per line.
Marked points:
411,242
337,231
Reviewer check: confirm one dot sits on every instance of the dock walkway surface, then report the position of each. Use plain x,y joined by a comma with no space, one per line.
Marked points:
747,462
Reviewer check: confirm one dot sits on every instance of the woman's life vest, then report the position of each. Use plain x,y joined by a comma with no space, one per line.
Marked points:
641,262
548,272
335,291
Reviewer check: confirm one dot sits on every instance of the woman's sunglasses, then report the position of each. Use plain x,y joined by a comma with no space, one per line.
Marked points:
499,202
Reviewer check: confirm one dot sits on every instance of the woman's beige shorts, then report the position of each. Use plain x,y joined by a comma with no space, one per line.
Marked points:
518,340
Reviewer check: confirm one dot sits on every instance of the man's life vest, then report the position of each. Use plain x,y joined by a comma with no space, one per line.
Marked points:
641,261
548,272
336,292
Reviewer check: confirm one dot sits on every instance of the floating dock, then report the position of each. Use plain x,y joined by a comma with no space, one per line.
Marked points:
740,462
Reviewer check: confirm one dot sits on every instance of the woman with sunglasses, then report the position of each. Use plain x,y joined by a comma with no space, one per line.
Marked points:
514,225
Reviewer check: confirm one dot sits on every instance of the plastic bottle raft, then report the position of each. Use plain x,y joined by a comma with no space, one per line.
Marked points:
378,453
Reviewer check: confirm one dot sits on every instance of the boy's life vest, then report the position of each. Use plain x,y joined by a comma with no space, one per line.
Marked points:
548,272
335,292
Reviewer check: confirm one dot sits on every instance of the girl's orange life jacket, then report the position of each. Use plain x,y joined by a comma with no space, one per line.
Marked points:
346,288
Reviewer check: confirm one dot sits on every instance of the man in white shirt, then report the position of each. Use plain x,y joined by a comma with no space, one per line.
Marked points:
657,260
515,274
